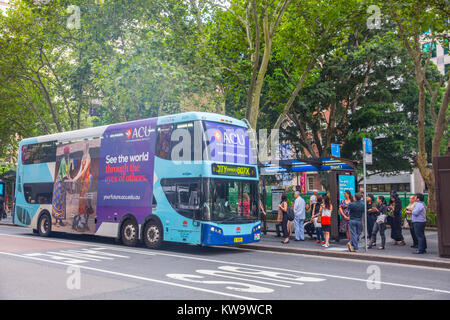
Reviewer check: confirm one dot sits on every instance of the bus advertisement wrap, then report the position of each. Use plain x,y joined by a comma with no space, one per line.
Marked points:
126,170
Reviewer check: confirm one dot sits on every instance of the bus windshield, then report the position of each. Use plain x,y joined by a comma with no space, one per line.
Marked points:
230,201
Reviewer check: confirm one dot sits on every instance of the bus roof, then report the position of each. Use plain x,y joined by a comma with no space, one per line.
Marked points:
98,131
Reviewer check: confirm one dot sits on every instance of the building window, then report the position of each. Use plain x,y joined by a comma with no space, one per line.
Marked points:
426,48
310,183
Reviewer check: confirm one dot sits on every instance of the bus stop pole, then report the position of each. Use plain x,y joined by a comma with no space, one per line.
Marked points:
365,194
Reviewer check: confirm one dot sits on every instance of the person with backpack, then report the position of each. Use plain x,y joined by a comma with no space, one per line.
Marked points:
325,213
290,220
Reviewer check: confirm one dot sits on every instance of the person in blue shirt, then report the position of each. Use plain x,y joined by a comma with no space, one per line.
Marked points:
299,217
419,220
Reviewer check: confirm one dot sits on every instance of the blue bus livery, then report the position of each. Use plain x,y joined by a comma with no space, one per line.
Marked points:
188,178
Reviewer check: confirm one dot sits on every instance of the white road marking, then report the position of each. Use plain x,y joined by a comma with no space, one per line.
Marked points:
230,285
230,275
244,264
133,276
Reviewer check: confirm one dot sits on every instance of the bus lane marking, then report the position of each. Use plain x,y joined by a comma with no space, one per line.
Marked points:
78,256
245,275
148,252
131,276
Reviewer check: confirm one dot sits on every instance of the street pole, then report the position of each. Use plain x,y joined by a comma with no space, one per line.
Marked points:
365,193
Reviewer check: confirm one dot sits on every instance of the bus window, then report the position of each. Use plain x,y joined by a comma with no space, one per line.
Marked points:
38,193
39,153
165,145
232,200
184,195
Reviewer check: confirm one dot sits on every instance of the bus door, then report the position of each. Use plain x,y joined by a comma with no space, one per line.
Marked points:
185,198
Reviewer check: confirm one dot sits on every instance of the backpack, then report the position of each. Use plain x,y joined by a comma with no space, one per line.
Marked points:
290,213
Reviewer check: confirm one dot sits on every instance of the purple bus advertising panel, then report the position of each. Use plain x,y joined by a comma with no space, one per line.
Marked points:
228,143
126,170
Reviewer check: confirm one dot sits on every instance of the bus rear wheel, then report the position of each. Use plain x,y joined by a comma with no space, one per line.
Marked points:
129,233
44,225
153,235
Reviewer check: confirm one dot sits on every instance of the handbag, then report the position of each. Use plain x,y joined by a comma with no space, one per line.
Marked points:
381,218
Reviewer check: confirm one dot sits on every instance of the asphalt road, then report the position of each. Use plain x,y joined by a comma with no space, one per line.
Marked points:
79,267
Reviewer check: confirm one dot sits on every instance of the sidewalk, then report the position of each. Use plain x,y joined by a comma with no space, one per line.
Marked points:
393,254
7,221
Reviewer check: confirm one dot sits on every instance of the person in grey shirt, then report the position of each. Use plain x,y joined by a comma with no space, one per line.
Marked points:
299,217
419,221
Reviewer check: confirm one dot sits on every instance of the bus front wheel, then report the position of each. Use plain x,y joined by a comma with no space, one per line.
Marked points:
129,233
153,235
44,225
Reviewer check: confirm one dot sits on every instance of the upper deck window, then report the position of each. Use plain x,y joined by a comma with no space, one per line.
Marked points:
180,141
39,152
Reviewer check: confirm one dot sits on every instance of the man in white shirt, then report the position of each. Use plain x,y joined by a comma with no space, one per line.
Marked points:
299,217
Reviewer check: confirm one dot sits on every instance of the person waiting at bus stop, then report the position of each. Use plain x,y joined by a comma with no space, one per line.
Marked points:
2,208
395,219
380,223
263,215
356,211
408,211
282,219
299,217
419,221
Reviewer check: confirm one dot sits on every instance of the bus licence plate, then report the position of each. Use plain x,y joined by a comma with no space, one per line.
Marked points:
240,239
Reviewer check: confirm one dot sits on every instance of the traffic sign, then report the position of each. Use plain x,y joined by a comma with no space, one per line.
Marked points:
335,150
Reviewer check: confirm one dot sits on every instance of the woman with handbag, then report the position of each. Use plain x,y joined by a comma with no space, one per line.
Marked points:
380,223
282,219
316,218
325,214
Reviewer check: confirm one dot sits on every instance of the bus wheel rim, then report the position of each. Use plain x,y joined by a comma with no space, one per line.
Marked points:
153,234
129,232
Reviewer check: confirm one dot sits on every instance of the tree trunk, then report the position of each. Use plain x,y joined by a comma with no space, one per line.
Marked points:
253,111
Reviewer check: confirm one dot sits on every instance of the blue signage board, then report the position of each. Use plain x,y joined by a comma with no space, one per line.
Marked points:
335,150
368,144
346,182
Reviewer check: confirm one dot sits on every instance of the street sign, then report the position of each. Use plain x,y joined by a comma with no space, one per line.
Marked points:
367,149
368,144
335,150
367,159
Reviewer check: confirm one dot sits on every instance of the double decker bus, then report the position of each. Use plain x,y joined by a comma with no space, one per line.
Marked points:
188,178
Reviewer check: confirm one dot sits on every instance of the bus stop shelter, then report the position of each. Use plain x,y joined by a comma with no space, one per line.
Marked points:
341,174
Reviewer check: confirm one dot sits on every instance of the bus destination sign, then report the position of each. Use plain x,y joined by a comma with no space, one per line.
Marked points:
233,170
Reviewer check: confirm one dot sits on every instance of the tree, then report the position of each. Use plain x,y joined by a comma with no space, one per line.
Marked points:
363,93
418,23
